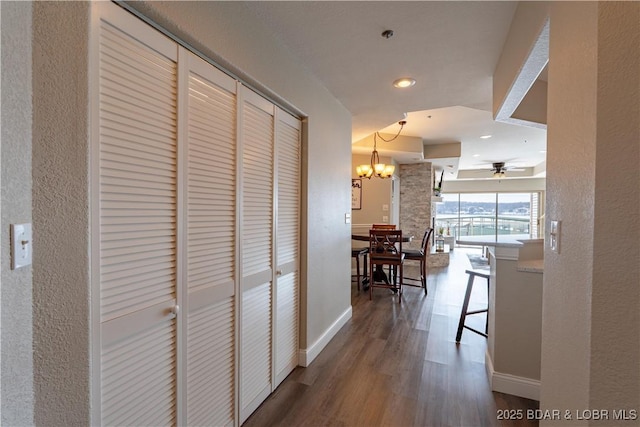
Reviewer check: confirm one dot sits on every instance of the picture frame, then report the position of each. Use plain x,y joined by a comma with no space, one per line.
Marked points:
356,194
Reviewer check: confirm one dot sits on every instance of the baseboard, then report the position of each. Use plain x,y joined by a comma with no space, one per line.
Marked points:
306,356
511,384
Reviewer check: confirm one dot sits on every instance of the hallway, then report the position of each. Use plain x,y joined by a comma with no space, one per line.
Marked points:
399,365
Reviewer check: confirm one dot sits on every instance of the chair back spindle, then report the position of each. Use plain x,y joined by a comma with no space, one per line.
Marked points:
385,249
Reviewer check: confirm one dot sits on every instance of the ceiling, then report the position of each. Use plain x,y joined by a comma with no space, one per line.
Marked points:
451,48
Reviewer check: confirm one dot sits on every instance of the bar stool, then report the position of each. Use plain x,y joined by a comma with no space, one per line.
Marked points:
356,253
465,305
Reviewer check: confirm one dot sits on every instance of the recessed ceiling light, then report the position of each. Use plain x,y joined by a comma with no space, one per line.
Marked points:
543,151
485,137
476,155
404,82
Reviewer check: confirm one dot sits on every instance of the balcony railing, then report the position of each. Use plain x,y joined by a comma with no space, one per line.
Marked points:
483,224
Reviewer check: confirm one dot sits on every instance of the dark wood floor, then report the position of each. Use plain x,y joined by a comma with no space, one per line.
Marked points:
398,365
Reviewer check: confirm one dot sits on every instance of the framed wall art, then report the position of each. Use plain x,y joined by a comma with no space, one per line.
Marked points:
356,194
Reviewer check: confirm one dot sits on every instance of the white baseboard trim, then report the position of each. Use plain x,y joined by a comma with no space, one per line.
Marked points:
511,384
306,356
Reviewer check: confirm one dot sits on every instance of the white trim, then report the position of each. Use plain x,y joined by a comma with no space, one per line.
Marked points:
276,274
238,251
488,365
306,356
97,11
182,213
511,384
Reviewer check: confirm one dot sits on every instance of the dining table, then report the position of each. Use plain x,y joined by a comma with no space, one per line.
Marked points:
378,274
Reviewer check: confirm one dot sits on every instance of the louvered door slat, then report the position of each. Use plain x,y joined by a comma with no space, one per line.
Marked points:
211,236
136,178
211,195
287,245
257,163
118,201
255,343
211,365
287,318
256,251
138,372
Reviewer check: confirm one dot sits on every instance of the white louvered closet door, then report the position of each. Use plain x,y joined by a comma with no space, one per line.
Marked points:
287,245
211,248
134,226
256,250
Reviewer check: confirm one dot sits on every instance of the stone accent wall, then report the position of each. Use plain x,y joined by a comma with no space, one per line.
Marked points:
416,210
438,260
415,201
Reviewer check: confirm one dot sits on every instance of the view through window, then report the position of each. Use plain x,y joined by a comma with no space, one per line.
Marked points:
488,214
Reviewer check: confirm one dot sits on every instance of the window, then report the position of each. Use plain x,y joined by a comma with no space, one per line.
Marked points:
488,214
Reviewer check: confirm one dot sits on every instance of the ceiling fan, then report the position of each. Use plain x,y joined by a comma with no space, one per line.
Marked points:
499,169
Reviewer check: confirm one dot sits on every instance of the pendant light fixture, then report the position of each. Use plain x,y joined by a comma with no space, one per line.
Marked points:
375,168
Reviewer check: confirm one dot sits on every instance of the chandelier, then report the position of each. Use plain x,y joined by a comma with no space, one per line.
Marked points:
375,168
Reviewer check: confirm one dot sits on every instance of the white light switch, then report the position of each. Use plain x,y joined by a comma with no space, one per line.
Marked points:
554,236
385,208
21,245
385,219
347,218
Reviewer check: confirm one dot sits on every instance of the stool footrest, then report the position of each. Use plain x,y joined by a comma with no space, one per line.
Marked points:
476,331
478,273
486,310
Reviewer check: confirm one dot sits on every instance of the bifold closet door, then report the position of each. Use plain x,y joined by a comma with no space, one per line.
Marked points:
195,195
286,311
134,220
210,244
256,249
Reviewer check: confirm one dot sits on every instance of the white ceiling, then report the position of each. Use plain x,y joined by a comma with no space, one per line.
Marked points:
451,48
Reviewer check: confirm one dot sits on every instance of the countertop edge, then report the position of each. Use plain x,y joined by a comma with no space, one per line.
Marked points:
531,266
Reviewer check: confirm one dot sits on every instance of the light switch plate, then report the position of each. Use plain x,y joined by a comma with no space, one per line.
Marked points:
554,236
21,245
347,218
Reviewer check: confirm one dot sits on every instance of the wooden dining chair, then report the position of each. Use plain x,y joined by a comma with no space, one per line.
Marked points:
383,226
420,255
385,248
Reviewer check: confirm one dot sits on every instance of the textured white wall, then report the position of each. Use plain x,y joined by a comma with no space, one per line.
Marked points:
591,297
60,214
571,143
16,334
615,297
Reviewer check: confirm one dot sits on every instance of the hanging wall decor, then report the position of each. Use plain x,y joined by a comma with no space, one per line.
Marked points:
356,194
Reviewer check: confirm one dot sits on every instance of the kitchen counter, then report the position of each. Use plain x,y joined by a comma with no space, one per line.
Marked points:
515,317
503,240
